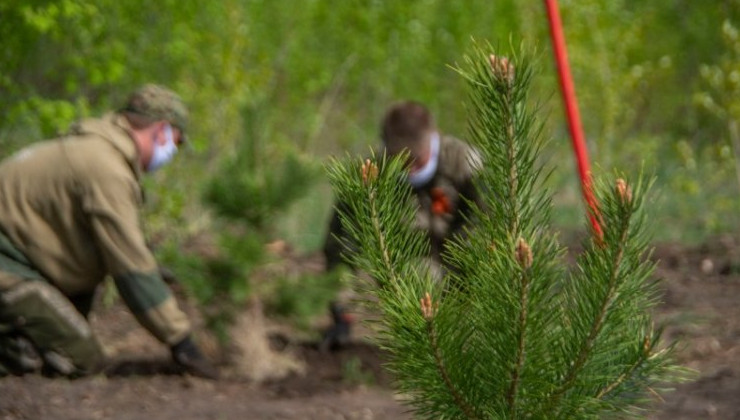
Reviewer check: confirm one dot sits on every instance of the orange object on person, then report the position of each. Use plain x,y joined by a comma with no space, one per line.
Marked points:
440,202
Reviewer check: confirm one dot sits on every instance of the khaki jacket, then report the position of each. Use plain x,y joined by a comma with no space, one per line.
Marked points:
444,202
71,206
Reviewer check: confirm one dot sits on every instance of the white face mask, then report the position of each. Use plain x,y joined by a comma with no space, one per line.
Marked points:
162,154
425,174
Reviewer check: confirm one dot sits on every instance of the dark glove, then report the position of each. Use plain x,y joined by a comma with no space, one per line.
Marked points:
168,275
189,357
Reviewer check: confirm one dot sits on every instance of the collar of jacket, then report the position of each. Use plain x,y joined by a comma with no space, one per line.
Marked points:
114,128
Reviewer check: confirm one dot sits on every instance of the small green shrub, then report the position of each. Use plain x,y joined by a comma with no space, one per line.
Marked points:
301,298
247,192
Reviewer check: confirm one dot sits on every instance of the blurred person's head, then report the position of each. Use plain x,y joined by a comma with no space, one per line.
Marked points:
408,126
159,119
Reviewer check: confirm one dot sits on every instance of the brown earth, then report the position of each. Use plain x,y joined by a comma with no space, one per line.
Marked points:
700,308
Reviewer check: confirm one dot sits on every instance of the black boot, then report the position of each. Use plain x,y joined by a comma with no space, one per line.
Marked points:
338,335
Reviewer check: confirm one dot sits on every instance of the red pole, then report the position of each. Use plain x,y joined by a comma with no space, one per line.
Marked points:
571,109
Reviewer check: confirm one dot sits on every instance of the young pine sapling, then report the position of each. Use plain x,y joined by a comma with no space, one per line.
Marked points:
510,332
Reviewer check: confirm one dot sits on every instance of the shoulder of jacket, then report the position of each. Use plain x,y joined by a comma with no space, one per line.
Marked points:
104,145
97,162
113,128
457,158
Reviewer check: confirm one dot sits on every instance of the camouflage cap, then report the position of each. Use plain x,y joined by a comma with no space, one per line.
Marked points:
159,103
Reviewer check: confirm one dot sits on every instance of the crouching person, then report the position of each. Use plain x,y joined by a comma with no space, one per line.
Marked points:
69,217
441,169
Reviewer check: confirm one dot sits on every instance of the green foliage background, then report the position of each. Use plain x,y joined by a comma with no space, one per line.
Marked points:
657,84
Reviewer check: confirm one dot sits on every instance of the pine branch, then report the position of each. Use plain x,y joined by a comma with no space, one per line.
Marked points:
503,81
524,258
428,310
625,375
606,304
379,235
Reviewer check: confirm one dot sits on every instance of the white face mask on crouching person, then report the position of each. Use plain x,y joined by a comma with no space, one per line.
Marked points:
423,175
162,154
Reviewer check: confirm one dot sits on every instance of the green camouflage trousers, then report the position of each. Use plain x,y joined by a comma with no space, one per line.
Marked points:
42,331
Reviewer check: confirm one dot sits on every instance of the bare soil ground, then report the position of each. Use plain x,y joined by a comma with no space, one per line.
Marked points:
700,308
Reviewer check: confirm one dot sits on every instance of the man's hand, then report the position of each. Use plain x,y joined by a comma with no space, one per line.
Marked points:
168,275
191,359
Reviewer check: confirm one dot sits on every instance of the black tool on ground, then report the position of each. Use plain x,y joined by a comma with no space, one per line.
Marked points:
338,334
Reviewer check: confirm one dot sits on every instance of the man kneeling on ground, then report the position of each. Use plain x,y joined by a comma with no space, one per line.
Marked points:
69,217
